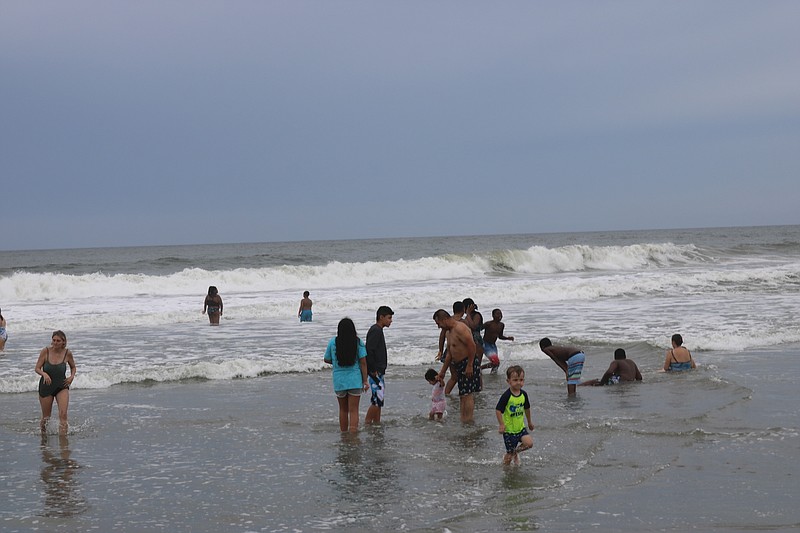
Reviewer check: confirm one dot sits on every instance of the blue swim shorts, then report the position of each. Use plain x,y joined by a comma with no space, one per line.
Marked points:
575,368
511,440
377,386
490,351
305,315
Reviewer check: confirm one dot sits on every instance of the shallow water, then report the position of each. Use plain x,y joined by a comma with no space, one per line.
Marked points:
703,450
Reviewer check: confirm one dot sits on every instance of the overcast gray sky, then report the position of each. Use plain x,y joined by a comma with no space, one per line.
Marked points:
181,122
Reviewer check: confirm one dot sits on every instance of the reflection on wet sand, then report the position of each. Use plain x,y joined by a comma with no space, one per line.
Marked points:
61,488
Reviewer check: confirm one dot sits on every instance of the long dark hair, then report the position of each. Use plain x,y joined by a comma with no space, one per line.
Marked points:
346,343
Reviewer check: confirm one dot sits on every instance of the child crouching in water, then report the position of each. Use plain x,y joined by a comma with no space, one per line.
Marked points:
438,402
513,405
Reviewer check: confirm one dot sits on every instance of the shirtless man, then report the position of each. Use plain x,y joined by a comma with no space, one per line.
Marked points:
461,354
568,358
492,331
458,314
621,369
304,312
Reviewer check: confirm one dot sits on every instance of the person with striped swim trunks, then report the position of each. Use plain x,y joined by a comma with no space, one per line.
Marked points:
568,358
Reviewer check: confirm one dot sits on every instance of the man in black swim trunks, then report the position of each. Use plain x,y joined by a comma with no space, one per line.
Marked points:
458,314
461,353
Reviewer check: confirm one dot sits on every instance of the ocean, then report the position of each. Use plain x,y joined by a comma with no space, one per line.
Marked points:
178,425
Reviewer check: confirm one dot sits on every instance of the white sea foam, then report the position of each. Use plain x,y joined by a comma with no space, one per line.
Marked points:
102,378
140,327
575,258
40,301
641,288
26,286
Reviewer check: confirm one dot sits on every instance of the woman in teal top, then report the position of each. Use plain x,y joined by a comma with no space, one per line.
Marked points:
347,353
678,358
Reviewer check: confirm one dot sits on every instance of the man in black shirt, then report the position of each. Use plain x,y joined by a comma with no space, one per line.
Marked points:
376,362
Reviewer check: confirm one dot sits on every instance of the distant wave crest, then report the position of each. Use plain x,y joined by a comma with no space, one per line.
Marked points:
575,258
28,286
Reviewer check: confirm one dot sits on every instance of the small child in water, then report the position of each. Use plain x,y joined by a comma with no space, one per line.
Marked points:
438,403
512,410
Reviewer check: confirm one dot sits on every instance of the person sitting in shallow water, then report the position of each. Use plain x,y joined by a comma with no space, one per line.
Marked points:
621,369
678,358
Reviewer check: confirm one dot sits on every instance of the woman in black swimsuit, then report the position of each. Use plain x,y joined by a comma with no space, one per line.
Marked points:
54,383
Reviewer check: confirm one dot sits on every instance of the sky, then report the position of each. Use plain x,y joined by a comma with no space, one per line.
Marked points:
129,123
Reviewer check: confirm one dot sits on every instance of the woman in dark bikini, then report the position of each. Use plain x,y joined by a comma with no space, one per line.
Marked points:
678,358
54,383
213,304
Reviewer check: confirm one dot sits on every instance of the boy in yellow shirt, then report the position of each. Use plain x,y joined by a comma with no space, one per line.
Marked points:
512,407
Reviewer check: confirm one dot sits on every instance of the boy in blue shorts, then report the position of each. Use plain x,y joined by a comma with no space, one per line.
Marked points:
492,331
512,407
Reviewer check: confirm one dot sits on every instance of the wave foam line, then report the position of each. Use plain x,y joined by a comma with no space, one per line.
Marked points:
28,286
232,369
107,312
